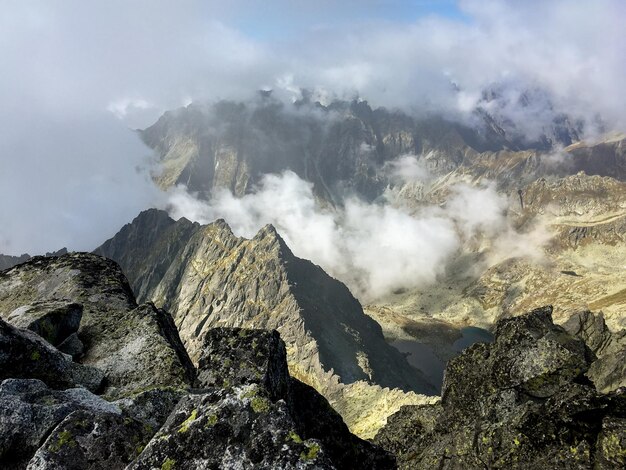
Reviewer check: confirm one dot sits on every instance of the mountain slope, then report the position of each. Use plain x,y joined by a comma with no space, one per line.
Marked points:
208,278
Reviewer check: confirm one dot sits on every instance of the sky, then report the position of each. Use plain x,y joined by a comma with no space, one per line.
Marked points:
77,76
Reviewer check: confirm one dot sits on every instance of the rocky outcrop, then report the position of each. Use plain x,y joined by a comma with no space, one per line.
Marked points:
29,411
135,347
55,321
216,279
608,371
88,441
23,354
151,407
253,356
245,411
149,353
521,402
219,429
256,417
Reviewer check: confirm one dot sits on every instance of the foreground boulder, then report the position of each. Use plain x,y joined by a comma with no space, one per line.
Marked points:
53,320
522,402
137,347
249,413
608,372
151,407
29,411
234,428
236,356
23,354
88,441
149,353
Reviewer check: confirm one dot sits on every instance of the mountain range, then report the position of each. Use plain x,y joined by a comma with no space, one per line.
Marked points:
174,326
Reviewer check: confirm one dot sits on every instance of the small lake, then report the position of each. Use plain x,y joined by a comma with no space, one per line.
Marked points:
422,356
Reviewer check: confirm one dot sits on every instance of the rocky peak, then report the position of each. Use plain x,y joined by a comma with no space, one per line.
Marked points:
209,278
134,346
251,357
521,402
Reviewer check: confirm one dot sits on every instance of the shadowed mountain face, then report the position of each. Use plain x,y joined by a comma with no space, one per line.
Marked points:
338,148
341,148
207,277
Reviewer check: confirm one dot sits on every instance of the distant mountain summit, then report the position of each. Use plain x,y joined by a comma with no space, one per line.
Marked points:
8,261
207,278
342,148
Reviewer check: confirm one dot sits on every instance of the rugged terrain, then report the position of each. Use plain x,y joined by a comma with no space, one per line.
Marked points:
207,277
129,397
524,401
563,240
539,396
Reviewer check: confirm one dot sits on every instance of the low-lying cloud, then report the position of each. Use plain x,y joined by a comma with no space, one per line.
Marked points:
73,70
375,249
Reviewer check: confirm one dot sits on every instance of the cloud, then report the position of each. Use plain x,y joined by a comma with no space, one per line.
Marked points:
407,169
374,248
70,183
75,71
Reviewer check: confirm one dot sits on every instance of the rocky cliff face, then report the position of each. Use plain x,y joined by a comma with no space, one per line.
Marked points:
573,189
521,402
133,406
208,278
135,346
339,148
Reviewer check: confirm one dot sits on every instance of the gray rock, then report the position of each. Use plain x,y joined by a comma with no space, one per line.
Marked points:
73,346
53,320
137,347
236,357
251,356
536,355
608,371
25,355
259,419
592,329
151,407
521,402
29,410
234,428
148,354
92,441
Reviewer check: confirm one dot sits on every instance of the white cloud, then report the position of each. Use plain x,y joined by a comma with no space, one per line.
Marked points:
373,248
64,62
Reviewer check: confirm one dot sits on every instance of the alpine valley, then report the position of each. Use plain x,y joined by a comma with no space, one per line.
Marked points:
190,339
